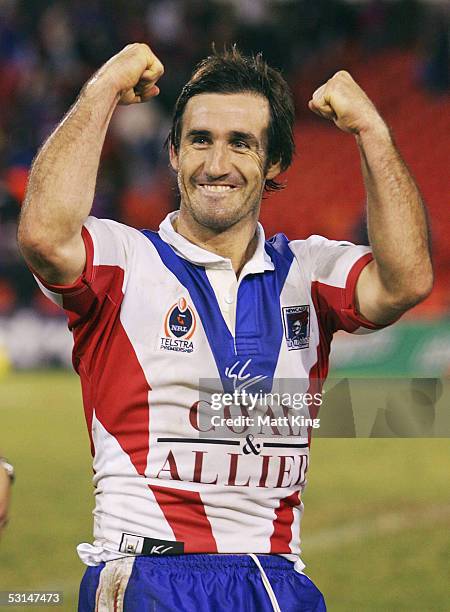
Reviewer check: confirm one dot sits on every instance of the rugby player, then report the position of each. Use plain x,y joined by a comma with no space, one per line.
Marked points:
185,520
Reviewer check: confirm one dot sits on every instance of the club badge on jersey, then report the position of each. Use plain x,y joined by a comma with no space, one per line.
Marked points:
179,327
296,326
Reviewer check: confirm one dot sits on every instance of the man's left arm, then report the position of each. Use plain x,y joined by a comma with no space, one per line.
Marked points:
401,274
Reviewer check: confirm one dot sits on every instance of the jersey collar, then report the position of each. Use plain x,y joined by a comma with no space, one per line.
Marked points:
260,261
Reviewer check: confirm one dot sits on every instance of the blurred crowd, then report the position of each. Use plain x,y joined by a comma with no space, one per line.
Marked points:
49,49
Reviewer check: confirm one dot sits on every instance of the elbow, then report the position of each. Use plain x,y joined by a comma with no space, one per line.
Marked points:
23,237
37,249
35,237
427,287
26,230
423,284
30,243
408,297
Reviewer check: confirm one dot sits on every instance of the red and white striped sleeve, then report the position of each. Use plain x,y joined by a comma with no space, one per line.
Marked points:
334,268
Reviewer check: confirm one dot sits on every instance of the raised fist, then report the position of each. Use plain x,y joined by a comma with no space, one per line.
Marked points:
343,101
133,73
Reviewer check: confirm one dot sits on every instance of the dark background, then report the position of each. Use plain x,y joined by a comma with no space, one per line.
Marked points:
398,51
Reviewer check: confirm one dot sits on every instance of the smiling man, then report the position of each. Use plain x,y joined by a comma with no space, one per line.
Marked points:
188,517
222,167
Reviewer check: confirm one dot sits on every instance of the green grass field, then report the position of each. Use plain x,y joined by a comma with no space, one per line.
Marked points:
376,529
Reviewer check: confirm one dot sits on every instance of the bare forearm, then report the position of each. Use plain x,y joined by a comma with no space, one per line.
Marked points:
401,274
62,180
397,223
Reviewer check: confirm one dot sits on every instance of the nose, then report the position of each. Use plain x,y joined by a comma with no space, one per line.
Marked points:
217,163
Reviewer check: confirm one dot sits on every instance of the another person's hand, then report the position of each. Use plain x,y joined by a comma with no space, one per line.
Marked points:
5,495
343,101
133,73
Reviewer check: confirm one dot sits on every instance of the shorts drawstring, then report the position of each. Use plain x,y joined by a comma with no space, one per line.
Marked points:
266,583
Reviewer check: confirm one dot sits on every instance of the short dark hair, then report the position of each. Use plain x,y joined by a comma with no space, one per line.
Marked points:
232,72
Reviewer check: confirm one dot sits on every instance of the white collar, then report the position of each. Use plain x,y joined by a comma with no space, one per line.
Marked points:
259,262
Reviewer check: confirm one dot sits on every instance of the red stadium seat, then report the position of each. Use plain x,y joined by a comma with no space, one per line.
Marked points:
326,193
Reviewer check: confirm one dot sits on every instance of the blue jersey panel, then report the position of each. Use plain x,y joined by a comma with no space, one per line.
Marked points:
259,327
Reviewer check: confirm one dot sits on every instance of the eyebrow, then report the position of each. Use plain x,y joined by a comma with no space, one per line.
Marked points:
193,133
247,137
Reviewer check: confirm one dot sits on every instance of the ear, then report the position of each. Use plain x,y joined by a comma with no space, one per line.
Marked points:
273,171
173,156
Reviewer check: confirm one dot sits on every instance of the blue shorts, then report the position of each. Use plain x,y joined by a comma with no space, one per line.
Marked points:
197,583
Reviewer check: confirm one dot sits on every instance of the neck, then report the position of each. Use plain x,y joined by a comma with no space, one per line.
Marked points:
237,243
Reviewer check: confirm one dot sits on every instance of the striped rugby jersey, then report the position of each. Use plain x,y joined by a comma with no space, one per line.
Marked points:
150,316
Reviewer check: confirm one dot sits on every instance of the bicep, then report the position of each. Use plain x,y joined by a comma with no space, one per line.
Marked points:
373,302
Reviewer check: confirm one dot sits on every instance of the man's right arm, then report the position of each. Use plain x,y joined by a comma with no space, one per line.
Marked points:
62,180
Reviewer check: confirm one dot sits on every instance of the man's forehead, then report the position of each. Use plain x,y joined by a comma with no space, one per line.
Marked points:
240,112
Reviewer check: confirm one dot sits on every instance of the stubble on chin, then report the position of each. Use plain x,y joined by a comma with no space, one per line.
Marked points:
221,219
217,217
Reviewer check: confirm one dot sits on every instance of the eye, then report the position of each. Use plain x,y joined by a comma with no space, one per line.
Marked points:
240,144
200,140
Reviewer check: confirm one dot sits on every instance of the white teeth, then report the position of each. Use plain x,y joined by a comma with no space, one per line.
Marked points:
217,187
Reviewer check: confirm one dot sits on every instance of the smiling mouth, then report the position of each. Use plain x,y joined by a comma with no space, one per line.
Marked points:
216,189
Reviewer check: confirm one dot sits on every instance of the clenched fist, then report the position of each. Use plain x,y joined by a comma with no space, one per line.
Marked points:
343,101
133,73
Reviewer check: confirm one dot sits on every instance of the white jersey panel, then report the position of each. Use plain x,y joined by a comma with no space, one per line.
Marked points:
329,261
124,502
151,316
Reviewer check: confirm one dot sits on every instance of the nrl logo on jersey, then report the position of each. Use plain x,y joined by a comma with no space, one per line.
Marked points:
296,326
179,327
